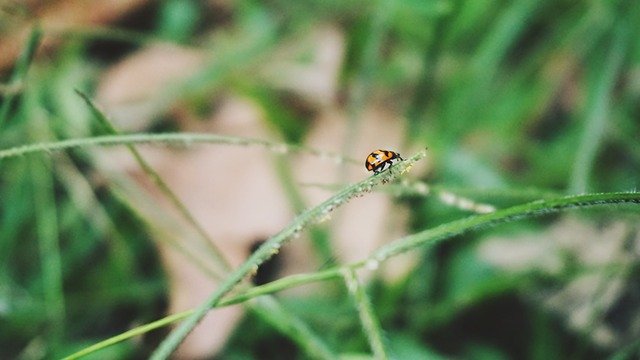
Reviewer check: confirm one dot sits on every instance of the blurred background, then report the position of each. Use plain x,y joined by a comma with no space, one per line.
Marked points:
516,101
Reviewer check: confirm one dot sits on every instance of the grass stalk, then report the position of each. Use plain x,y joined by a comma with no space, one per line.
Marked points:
20,72
433,236
250,293
184,139
47,230
319,235
82,195
287,323
370,323
46,227
163,227
598,106
140,330
360,89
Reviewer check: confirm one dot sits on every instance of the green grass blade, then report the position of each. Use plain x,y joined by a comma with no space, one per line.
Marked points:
184,139
217,256
287,323
140,330
537,208
598,106
369,321
47,230
20,72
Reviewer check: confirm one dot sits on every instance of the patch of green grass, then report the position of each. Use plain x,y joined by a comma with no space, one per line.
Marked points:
527,108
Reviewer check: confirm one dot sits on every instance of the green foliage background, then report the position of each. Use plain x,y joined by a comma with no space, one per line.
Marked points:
517,100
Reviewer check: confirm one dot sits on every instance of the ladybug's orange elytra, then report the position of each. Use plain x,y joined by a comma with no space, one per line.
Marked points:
380,160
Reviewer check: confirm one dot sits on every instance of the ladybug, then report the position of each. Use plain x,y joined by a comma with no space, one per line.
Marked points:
381,160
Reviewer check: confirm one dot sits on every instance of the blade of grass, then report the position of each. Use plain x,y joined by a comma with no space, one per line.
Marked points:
238,51
598,105
319,235
508,26
287,323
444,195
20,72
536,208
465,97
217,256
460,197
140,330
14,213
46,226
631,351
160,224
370,323
258,291
47,230
85,200
169,138
360,89
427,88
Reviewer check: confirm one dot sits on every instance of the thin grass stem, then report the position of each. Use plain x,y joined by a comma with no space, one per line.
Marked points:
216,254
46,227
287,323
370,323
183,139
598,106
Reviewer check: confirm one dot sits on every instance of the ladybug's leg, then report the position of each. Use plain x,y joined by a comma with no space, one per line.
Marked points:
390,163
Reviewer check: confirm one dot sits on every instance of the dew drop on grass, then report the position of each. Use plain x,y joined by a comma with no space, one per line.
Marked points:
254,270
447,197
421,188
296,232
325,215
372,264
406,169
485,208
